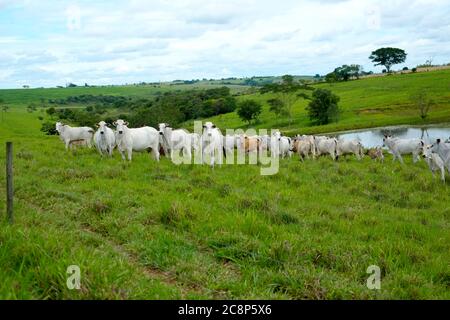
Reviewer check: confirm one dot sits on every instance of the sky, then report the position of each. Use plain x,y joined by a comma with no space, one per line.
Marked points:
45,43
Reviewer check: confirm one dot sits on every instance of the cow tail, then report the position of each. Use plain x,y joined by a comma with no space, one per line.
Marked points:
335,149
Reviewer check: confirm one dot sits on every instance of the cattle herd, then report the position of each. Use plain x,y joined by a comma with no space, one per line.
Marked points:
213,145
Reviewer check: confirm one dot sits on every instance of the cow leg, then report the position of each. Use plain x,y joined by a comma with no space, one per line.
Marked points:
443,174
188,154
130,152
394,156
220,155
212,159
122,153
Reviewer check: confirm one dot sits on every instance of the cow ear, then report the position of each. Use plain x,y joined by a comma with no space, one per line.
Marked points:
115,123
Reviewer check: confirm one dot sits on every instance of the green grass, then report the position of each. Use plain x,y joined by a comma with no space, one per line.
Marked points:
371,102
159,231
23,97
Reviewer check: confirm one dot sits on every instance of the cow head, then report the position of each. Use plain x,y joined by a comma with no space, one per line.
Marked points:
435,146
277,135
427,151
102,125
59,126
163,127
208,128
386,137
121,125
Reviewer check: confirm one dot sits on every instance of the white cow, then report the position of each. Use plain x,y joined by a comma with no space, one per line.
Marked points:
434,161
443,149
196,143
212,143
230,142
175,141
265,142
138,139
69,134
325,145
104,139
399,147
280,145
345,147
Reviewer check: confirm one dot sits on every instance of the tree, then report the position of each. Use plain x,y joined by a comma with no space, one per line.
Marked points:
278,107
324,107
249,110
423,103
388,57
331,77
346,72
286,92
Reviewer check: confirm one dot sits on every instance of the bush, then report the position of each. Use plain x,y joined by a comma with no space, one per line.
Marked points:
414,70
51,111
324,107
384,71
49,128
405,69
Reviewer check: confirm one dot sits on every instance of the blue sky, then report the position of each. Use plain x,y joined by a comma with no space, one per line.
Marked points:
49,43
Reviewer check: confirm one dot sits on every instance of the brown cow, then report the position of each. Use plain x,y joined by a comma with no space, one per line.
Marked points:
376,154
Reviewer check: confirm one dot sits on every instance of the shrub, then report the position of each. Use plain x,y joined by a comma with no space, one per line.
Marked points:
51,111
49,128
324,107
405,69
414,69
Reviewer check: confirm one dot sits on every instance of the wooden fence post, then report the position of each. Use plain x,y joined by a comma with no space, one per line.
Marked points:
9,181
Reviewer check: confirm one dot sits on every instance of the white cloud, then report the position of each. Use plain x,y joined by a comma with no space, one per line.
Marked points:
116,42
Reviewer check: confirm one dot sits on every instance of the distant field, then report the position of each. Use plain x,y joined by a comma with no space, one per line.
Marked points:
365,103
23,97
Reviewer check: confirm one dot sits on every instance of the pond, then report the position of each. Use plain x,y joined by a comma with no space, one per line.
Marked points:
374,137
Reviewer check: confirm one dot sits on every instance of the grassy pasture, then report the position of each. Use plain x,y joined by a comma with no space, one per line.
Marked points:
159,231
23,97
370,102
